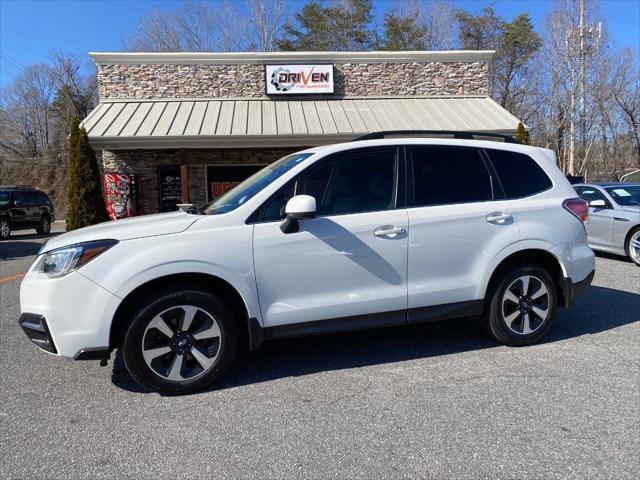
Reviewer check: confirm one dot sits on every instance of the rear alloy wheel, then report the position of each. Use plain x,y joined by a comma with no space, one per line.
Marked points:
45,226
523,306
5,229
633,247
180,342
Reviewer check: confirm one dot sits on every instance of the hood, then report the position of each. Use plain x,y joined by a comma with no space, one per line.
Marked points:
125,229
632,208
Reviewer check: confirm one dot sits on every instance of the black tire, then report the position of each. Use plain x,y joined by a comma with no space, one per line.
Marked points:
170,303
5,229
628,246
45,225
500,307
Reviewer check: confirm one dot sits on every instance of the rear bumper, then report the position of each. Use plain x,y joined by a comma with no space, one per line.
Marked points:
571,290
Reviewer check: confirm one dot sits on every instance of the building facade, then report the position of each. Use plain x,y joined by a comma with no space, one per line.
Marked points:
188,126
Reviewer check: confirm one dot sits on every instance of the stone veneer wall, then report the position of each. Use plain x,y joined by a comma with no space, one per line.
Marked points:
146,163
247,80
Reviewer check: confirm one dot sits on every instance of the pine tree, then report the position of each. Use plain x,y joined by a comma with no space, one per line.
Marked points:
404,32
72,185
342,26
522,135
86,202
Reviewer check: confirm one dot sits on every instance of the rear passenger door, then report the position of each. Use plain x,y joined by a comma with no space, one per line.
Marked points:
458,221
34,211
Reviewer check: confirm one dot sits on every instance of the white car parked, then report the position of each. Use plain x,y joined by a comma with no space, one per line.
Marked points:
370,233
614,218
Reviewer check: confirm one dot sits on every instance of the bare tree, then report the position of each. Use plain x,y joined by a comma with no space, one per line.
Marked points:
199,26
267,17
156,32
441,25
626,94
27,101
78,93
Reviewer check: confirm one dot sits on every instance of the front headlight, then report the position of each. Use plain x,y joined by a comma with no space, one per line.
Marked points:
61,261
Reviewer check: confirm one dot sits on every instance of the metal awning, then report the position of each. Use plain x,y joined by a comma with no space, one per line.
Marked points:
250,122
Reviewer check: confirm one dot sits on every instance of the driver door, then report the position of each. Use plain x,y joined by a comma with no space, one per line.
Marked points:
339,271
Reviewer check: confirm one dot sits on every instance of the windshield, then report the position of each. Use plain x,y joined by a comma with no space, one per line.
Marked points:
5,197
238,195
625,195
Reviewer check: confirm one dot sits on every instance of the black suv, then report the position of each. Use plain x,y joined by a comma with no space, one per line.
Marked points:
22,208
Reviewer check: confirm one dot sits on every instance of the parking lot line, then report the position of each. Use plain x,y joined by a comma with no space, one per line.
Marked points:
12,277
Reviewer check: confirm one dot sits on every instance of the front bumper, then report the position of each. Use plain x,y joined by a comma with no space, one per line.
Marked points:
72,313
571,291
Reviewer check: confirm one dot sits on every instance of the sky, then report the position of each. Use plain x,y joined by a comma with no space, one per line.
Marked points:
30,29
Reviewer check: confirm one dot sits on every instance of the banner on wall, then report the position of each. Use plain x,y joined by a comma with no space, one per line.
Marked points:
121,194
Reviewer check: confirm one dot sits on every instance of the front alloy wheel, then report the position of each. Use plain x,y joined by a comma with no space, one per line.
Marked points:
180,341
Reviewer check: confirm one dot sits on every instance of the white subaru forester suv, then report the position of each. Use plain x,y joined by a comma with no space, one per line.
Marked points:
370,233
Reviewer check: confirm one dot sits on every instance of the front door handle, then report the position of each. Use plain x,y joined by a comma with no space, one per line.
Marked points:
388,231
499,218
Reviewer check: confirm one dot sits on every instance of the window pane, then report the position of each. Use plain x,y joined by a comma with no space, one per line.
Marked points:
18,198
273,209
312,182
445,175
362,181
590,194
519,174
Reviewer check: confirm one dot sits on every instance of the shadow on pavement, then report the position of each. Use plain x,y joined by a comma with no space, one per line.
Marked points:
613,256
599,310
22,245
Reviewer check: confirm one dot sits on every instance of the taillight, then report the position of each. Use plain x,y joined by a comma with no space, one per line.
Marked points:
577,207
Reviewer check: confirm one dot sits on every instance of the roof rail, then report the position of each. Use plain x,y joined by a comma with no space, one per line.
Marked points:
457,134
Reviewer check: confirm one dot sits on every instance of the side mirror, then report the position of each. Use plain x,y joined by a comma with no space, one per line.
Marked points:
598,203
298,208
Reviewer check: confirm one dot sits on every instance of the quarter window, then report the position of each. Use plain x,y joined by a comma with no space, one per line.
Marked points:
445,175
519,174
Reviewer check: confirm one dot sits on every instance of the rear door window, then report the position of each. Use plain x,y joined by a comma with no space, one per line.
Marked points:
18,199
444,175
519,174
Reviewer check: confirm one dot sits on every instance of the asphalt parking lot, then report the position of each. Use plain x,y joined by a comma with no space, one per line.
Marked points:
439,400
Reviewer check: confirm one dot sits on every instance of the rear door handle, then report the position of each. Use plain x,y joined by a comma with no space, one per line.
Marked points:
499,218
388,231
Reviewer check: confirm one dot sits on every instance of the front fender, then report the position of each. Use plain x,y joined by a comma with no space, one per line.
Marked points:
225,253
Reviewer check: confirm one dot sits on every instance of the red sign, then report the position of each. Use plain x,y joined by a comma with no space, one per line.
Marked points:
218,188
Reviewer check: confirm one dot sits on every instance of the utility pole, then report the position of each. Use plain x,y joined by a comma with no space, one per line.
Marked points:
581,43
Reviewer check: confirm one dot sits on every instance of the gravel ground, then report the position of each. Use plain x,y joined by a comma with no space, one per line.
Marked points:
438,401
